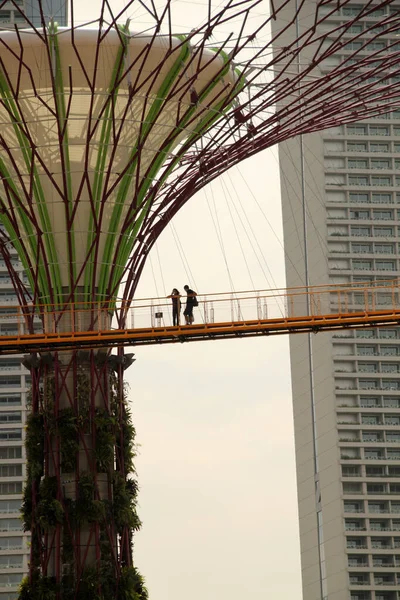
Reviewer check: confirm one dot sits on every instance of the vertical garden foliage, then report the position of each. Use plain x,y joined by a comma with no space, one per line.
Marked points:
43,511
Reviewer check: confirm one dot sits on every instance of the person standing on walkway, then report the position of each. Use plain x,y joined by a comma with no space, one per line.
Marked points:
191,302
176,307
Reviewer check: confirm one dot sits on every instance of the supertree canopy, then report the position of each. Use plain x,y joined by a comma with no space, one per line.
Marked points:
105,132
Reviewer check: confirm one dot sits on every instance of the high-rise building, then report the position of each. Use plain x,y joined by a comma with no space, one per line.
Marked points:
14,378
341,220
52,9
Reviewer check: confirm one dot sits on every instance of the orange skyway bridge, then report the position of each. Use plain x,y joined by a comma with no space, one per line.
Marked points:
218,316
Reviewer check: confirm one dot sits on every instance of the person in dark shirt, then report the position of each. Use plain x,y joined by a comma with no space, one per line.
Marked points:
176,306
191,302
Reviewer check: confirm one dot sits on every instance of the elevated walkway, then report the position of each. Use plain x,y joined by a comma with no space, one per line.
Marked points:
218,316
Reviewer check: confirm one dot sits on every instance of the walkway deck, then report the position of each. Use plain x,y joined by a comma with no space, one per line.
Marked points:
247,314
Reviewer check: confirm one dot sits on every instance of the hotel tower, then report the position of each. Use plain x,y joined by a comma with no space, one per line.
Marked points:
341,221
15,379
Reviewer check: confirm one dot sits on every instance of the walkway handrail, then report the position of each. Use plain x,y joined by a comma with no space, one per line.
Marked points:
220,307
295,292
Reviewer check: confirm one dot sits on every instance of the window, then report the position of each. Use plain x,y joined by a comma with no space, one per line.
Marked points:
376,45
384,298
365,333
353,507
358,147
5,16
390,368
10,434
10,470
368,367
359,299
9,596
352,488
10,579
390,385
355,542
396,147
355,28
392,437
10,364
11,487
381,181
359,198
368,384
378,525
357,129
354,525
10,381
367,402
377,507
382,215
388,334
391,402
378,130
10,543
389,350
371,436
354,163
351,471
352,10
374,147
366,350
362,265
10,452
360,231
382,198
359,214
384,248
384,231
10,417
358,180
385,265
357,561
355,579
10,524
380,164
370,420
11,562
353,46
10,506
377,12
394,455
373,454
10,399
361,248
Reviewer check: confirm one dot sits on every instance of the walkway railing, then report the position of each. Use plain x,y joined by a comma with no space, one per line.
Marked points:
238,307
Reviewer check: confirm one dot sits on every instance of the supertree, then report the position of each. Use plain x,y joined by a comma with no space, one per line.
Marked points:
105,133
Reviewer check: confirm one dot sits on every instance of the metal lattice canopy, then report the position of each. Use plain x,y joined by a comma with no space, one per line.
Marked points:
87,122
105,133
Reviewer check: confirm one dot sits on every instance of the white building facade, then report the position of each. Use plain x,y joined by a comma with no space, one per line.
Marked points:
341,220
15,382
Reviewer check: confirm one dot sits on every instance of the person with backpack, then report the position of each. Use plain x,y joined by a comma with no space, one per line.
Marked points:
191,302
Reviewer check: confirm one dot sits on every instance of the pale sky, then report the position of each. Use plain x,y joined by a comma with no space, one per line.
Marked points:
214,419
214,424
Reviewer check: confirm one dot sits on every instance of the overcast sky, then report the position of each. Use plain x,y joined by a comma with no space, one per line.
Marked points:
214,419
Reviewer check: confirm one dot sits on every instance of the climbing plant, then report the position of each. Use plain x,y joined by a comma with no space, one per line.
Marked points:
45,511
